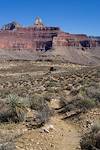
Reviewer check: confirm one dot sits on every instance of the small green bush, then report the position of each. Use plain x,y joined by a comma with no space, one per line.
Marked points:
87,103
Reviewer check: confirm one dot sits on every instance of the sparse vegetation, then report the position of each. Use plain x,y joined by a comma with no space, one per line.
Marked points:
76,87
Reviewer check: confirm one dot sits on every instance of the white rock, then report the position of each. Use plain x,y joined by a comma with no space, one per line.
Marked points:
47,128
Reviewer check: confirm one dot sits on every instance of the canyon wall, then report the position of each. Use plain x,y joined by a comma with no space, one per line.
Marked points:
41,38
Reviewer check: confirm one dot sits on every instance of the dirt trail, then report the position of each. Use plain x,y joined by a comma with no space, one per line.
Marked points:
70,137
64,136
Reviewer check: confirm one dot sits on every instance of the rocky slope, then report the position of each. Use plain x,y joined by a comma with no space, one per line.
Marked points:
72,55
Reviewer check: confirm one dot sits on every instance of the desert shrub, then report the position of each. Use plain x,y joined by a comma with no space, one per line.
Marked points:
97,139
52,83
82,91
95,128
25,101
93,84
76,103
16,108
87,141
43,115
7,146
87,103
48,96
13,110
50,89
90,97
69,106
4,93
62,101
74,92
4,112
93,92
38,103
91,140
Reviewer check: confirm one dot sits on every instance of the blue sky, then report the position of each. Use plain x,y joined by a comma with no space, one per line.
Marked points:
74,16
